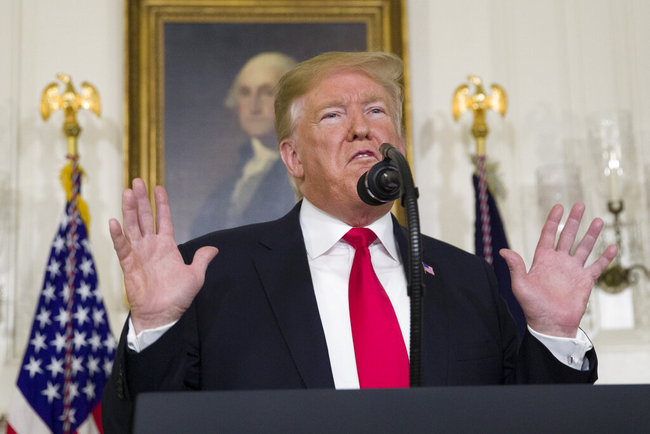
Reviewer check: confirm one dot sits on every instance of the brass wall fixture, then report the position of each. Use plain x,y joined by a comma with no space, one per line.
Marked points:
616,277
611,139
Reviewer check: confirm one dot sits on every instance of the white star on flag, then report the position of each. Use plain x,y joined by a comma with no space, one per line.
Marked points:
43,317
58,244
83,290
52,392
38,342
48,292
34,367
53,268
55,366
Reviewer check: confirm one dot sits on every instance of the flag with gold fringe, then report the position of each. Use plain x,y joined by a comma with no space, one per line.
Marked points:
70,351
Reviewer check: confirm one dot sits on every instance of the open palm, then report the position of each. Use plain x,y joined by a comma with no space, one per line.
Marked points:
554,292
159,285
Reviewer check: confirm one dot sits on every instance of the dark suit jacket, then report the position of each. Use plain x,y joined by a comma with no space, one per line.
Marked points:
255,325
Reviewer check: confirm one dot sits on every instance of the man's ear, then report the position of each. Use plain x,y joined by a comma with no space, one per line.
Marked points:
291,159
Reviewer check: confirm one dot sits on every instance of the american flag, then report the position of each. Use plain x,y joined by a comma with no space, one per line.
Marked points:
71,348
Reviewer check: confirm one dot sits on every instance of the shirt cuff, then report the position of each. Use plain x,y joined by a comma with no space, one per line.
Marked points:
145,338
570,352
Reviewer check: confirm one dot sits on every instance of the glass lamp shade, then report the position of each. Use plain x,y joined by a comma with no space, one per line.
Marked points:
557,183
610,139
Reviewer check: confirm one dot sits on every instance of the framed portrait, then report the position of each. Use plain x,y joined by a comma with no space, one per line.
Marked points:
198,74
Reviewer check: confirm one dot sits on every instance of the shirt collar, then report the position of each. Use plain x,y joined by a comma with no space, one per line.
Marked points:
322,231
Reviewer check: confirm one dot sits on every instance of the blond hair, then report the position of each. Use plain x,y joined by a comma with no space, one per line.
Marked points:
385,68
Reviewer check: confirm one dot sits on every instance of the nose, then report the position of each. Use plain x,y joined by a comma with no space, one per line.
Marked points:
256,103
359,128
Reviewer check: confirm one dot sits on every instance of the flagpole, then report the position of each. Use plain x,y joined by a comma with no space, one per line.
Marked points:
70,102
479,103
489,234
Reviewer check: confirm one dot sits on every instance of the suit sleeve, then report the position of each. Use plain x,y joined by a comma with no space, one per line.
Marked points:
169,364
536,365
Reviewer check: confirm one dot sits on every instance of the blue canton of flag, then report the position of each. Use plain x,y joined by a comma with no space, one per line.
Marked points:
42,378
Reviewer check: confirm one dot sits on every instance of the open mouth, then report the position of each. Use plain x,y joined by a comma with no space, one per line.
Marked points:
363,154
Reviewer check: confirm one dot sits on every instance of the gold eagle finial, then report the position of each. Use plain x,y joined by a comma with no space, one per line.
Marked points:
70,102
479,103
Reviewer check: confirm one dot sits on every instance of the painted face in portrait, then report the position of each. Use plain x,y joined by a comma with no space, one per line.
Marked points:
255,98
342,123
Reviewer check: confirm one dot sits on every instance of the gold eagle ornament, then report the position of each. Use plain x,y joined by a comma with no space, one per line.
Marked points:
70,102
479,103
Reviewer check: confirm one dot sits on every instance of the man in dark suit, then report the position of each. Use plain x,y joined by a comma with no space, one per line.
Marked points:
271,309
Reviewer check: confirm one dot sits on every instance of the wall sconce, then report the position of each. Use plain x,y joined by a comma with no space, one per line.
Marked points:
616,277
611,134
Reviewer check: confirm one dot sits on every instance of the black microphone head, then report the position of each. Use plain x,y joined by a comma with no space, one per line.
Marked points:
364,194
380,184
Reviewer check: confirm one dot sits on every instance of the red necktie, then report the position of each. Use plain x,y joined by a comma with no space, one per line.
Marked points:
382,360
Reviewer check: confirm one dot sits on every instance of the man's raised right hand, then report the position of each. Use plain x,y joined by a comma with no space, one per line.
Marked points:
159,285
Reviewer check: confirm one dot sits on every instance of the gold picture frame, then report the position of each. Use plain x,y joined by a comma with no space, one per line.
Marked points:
148,22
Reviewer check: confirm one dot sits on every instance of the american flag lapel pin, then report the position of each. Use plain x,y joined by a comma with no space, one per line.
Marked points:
428,269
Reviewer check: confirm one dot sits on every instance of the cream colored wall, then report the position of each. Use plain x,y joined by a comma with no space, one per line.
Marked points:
558,60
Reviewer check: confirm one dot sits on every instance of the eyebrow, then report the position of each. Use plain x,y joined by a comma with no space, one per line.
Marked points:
367,99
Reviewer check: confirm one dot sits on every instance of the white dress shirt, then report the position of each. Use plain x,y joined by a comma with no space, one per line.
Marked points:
330,261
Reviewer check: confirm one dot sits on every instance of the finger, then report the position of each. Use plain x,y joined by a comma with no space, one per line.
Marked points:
568,235
163,213
130,215
603,261
588,241
202,259
547,237
515,265
145,214
120,243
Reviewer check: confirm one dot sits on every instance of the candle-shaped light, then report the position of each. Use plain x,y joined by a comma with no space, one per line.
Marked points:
614,172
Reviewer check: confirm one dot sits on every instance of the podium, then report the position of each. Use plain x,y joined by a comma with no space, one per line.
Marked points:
504,409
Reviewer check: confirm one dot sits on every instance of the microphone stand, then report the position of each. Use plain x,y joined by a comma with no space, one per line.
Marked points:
415,282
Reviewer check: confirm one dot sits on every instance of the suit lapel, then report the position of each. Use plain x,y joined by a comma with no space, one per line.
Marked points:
285,276
435,320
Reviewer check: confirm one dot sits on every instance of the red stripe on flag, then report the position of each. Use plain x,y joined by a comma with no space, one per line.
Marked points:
97,416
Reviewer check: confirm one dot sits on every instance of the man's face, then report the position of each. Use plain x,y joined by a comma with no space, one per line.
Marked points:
344,120
255,99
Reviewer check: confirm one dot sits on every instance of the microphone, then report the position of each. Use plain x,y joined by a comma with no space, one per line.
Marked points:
382,183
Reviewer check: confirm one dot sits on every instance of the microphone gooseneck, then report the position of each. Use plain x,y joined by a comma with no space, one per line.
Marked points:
386,181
